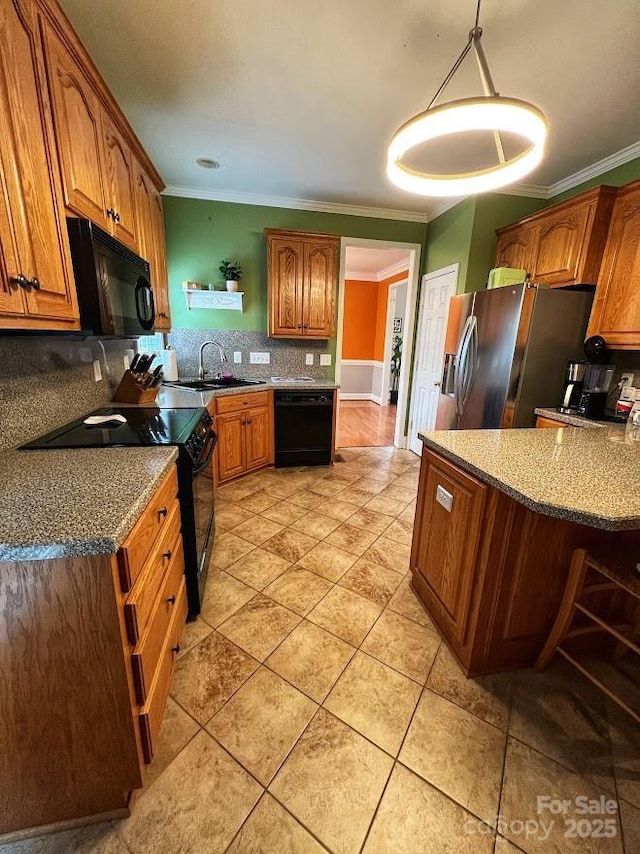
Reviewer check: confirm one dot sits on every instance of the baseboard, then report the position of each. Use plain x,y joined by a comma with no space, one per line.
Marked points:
347,396
376,399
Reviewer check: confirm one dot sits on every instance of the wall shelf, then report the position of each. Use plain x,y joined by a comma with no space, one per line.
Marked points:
226,300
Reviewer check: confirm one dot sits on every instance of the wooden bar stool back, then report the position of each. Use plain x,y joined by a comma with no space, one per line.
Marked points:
596,575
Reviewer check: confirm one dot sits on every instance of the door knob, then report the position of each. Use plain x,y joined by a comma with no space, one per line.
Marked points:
438,383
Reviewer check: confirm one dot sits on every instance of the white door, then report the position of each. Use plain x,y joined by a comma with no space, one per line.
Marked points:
437,289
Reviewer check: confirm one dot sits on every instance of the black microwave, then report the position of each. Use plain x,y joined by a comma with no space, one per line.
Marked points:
115,296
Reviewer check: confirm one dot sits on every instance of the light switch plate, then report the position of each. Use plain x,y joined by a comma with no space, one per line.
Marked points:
325,359
97,372
237,357
260,358
444,498
309,359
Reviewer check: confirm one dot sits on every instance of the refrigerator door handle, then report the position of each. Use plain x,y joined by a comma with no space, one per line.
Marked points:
461,365
473,366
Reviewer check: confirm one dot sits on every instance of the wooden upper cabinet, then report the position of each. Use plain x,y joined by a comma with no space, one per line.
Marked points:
561,245
616,309
160,275
120,194
285,259
515,247
320,278
32,226
76,113
151,244
302,273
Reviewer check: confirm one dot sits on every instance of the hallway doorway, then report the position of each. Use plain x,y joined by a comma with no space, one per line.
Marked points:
375,335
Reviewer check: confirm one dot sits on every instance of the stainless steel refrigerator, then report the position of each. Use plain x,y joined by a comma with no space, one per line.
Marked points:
505,354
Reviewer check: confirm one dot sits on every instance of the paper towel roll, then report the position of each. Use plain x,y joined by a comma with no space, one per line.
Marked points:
170,365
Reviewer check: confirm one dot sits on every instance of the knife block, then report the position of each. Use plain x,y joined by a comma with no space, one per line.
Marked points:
131,391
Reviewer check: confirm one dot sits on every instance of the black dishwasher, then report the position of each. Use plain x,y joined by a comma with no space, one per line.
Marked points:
303,428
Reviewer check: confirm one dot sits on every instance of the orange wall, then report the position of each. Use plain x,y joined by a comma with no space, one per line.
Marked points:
381,313
360,319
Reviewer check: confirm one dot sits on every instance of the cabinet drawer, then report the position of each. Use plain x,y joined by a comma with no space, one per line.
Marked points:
135,550
543,422
147,652
151,713
242,401
140,603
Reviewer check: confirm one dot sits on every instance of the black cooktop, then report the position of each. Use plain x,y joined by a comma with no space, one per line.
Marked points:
142,426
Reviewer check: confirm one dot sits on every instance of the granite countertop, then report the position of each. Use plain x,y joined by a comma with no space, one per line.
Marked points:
60,503
573,420
585,476
173,397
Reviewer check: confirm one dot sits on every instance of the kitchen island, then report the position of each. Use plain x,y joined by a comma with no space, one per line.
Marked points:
499,514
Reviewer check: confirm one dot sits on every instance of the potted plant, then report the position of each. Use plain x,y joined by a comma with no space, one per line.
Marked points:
231,273
396,359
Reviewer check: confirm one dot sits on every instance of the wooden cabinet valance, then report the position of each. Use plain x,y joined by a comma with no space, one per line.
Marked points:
302,275
561,245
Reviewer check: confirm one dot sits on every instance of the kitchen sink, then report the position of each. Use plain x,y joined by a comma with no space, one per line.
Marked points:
213,384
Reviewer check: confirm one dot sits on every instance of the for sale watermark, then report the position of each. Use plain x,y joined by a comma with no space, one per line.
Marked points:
575,818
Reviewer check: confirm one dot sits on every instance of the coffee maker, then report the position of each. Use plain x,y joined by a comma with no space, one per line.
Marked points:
572,391
595,389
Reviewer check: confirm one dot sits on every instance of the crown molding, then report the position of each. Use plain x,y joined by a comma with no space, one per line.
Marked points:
401,266
534,191
444,205
618,158
294,204
360,276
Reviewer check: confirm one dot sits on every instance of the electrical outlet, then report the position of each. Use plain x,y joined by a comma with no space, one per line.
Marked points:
97,372
325,359
309,359
259,358
445,499
237,357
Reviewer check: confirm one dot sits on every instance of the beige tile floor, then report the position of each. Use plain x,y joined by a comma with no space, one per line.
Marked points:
314,707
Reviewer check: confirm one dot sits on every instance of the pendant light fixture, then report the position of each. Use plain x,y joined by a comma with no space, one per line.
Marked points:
490,112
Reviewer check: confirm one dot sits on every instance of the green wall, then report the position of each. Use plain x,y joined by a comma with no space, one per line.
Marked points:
466,234
201,233
449,239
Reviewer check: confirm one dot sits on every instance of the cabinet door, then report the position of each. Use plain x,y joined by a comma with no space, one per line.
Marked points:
320,286
515,248
285,260
560,244
159,271
32,194
258,437
12,299
448,525
616,310
231,445
119,169
76,114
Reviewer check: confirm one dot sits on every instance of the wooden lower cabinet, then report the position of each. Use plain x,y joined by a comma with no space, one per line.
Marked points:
489,571
244,424
543,422
84,686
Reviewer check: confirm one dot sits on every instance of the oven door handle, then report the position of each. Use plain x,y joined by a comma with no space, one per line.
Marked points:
203,465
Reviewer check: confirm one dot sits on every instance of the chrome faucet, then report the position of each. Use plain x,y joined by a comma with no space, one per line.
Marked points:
223,357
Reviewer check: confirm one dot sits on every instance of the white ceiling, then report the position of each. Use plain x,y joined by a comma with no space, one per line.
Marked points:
362,263
298,98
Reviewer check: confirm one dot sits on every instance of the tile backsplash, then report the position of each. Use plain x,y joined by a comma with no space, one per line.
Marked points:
46,381
287,355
